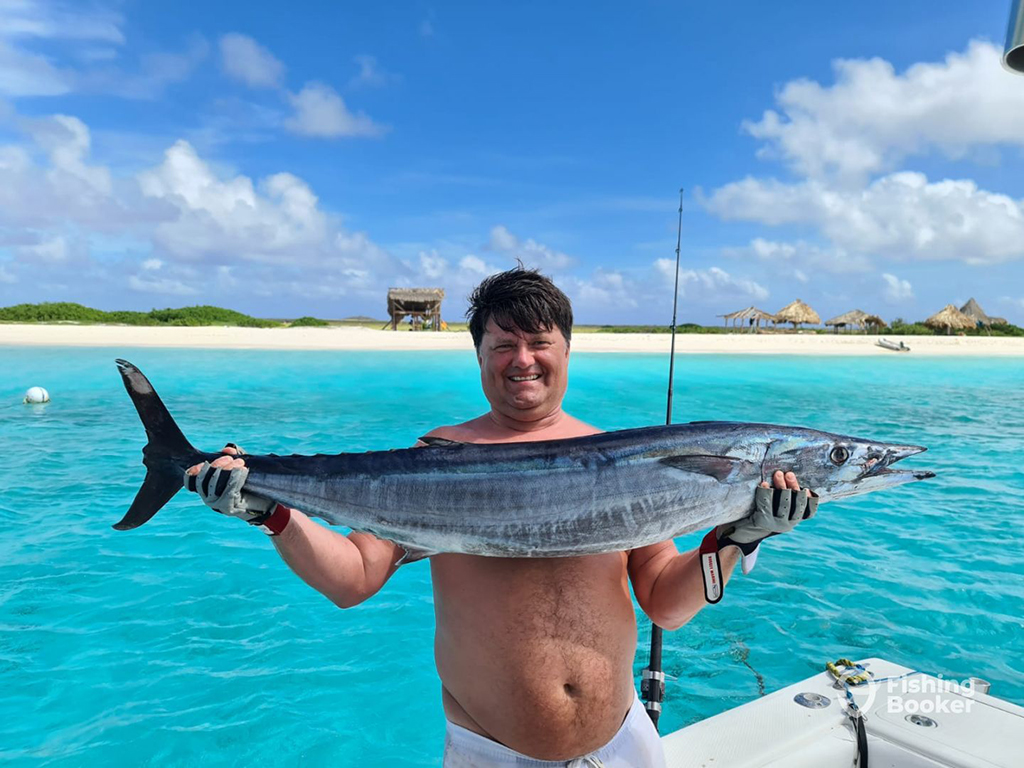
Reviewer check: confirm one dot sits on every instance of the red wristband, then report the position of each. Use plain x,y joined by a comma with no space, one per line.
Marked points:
278,520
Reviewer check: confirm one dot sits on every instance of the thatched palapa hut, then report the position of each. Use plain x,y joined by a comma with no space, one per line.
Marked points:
950,318
797,313
974,311
856,318
874,321
853,319
751,316
421,303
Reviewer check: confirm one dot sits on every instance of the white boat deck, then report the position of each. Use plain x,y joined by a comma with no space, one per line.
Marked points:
970,730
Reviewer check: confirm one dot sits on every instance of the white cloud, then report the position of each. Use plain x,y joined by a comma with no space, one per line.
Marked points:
231,218
605,290
246,60
7,277
320,112
97,54
23,73
872,117
432,265
370,73
54,250
800,254
901,216
846,142
259,237
156,71
28,64
896,289
46,20
766,249
68,142
709,284
164,285
477,266
64,185
532,253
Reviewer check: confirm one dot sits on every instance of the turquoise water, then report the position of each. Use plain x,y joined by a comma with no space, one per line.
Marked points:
188,642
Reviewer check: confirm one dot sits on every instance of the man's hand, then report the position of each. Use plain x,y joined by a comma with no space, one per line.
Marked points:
219,484
777,509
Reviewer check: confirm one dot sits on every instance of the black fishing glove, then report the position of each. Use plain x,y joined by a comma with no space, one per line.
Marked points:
221,490
775,511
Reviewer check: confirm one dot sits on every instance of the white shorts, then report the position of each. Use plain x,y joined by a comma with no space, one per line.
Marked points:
635,745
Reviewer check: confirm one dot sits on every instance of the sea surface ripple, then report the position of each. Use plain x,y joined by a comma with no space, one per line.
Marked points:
188,642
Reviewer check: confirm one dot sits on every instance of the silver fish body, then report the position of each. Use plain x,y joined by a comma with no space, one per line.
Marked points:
602,493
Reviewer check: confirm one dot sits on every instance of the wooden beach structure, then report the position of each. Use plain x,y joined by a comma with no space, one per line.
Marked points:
751,316
855,319
797,313
974,311
422,304
952,319
874,323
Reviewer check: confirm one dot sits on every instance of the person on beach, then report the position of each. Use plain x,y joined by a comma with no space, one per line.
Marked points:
535,656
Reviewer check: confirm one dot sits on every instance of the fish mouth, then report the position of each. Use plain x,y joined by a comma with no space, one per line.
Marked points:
879,461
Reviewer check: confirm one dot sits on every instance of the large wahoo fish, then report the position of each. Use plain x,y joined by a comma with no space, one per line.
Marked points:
602,493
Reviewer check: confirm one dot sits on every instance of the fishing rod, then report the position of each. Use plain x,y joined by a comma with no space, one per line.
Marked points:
652,682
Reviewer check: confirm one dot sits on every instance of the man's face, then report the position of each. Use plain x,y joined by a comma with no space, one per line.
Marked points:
523,375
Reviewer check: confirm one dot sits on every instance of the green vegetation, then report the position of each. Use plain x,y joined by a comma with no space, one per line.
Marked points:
308,322
65,312
900,328
1004,329
681,328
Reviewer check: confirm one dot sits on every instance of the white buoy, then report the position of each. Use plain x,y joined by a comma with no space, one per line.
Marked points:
37,395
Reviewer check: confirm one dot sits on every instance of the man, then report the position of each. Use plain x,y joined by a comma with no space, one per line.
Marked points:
535,655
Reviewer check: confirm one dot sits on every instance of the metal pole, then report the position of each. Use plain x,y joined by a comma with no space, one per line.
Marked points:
652,684
1013,53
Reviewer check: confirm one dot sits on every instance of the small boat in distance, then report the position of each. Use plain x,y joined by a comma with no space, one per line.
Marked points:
894,346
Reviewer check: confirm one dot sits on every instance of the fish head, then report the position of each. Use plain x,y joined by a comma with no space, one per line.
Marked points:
837,466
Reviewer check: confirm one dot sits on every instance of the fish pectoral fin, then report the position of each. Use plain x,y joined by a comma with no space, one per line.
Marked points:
412,554
718,467
439,442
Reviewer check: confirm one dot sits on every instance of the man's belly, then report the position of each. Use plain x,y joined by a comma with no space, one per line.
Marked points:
536,654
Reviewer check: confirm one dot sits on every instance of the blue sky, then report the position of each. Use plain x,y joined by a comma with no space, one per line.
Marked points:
300,162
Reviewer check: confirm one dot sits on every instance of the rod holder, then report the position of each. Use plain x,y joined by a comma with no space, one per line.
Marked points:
1013,53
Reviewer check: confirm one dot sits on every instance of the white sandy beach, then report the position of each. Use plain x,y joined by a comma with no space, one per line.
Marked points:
355,338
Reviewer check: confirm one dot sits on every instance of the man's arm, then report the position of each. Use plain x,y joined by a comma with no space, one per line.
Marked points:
670,586
345,569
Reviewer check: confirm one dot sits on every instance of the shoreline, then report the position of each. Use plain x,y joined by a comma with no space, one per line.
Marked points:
357,338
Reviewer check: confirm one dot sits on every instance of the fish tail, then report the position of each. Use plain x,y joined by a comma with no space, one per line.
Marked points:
165,455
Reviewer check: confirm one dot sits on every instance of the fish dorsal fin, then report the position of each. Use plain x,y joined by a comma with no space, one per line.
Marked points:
718,467
439,442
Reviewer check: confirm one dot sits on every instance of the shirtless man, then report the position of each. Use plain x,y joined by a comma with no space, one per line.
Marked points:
535,656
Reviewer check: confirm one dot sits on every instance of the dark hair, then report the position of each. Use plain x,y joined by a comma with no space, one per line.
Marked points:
522,299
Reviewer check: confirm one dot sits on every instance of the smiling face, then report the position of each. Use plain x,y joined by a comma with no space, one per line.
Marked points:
524,375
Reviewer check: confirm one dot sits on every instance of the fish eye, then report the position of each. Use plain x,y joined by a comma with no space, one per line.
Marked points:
839,455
